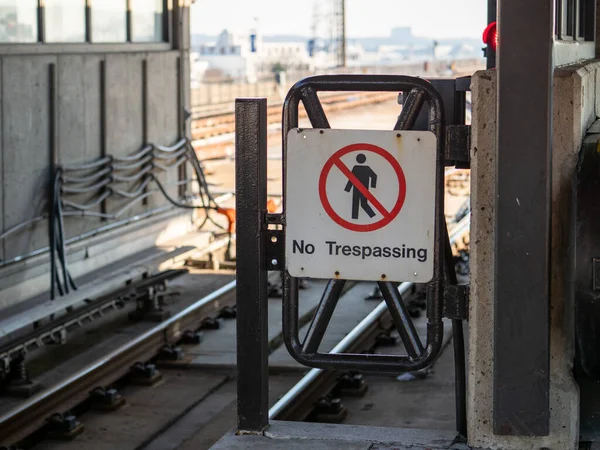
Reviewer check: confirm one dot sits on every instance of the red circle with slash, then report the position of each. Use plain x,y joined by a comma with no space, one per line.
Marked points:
335,160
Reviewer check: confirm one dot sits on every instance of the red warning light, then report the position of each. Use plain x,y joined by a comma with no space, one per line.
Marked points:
490,36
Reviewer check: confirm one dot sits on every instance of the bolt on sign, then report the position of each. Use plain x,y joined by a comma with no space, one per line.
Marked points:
360,205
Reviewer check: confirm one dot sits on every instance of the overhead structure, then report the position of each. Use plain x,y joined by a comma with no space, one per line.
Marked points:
339,32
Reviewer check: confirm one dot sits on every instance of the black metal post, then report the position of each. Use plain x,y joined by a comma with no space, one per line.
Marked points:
523,202
251,272
491,17
53,163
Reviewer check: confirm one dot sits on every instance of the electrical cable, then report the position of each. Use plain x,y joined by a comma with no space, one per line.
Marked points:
85,189
87,166
143,163
134,177
140,154
133,165
107,193
88,178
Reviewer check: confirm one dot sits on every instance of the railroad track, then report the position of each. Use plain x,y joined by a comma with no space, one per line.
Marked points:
299,402
213,137
56,411
33,414
223,124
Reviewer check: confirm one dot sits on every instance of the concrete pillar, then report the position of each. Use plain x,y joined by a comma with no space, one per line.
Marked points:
575,108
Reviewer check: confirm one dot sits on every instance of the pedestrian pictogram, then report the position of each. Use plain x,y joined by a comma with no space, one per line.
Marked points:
361,182
360,205
364,179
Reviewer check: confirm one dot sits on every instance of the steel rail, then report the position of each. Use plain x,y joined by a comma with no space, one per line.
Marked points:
31,415
36,335
280,410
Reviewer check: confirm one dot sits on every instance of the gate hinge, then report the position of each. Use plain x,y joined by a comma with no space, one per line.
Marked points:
456,301
274,250
458,144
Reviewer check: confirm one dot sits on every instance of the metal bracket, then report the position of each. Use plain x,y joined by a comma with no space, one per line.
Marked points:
456,302
458,144
596,274
275,250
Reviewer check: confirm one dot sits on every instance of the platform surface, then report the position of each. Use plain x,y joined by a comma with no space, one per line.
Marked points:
302,435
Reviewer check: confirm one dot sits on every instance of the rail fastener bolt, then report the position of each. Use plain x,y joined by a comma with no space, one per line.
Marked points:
18,383
106,399
228,312
192,338
144,374
65,427
150,306
351,384
170,353
210,323
386,339
329,410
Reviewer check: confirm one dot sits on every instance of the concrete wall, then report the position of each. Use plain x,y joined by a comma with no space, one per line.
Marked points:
576,106
107,101
81,82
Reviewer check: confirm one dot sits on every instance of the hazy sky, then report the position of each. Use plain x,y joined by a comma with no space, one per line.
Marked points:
431,18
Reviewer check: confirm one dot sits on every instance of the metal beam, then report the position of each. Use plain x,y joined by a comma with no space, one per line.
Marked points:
523,202
251,272
491,17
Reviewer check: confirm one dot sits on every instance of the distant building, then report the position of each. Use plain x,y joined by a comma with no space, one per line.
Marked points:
289,55
231,55
246,57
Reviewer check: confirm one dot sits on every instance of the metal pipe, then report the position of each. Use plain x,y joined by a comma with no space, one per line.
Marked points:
341,347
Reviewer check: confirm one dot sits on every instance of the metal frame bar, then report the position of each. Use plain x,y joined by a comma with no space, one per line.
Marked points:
523,202
251,268
300,388
128,22
419,356
41,25
88,21
492,9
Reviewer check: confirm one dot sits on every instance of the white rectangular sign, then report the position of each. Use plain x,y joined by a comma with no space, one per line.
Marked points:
360,205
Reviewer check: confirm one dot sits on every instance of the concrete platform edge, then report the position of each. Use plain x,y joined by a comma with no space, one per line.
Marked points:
306,432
